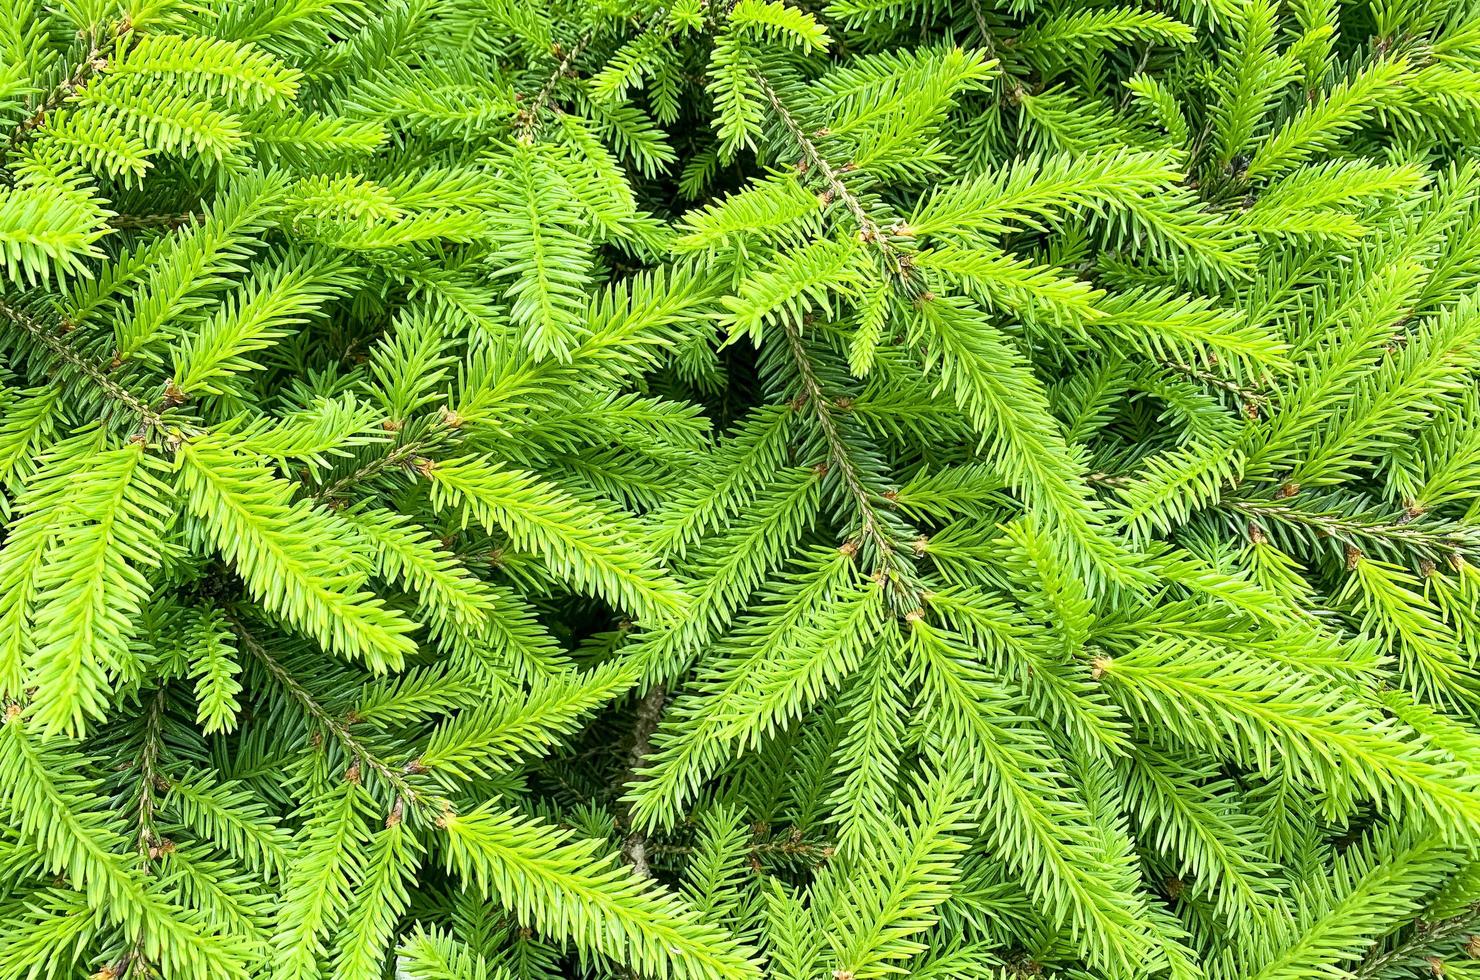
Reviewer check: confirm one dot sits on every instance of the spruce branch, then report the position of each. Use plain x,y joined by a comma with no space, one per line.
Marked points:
103,45
149,844
895,262
429,805
531,117
894,570
167,221
51,338
406,454
1416,952
1360,529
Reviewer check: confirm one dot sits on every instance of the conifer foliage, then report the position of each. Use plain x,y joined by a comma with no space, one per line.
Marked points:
511,490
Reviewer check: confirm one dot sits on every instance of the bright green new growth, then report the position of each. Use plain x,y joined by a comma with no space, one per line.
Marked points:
502,490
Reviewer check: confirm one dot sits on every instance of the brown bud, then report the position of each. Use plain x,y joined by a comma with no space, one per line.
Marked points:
424,466
923,298
12,712
173,395
1288,490
1174,887
391,425
398,810
450,418
1100,666
415,767
1353,556
352,774
920,545
1472,947
1256,533
820,469
914,616
848,548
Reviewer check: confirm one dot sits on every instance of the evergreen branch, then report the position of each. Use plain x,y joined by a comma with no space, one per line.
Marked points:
869,230
1359,529
170,222
531,117
102,45
1416,951
427,803
149,417
889,565
150,778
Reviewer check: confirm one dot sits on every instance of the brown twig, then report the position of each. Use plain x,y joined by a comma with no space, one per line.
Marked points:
649,713
1350,529
841,461
869,230
170,221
